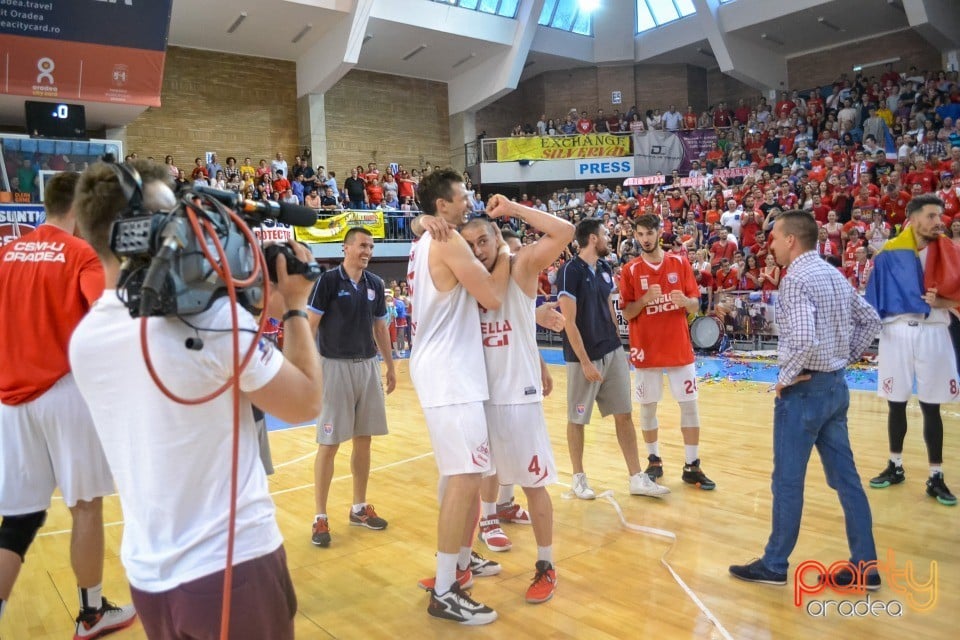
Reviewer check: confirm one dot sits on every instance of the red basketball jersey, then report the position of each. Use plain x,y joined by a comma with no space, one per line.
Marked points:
659,336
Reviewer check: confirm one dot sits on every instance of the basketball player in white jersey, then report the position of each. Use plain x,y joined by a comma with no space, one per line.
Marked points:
447,370
518,432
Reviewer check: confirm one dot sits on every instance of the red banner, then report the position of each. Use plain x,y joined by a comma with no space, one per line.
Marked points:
63,70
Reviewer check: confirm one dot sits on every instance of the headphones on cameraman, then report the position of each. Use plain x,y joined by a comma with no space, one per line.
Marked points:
130,183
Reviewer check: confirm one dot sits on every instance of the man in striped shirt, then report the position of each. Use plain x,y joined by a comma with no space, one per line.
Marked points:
824,326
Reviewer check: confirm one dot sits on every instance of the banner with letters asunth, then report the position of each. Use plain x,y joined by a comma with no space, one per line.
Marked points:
85,50
667,151
334,228
599,145
17,220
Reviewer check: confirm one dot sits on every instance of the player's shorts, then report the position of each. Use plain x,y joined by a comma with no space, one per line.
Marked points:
612,395
913,350
458,435
353,402
520,444
683,383
47,443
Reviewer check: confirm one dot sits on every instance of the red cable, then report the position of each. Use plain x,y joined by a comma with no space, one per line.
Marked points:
222,269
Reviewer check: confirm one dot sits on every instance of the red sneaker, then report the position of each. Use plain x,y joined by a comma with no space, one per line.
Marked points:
544,583
464,577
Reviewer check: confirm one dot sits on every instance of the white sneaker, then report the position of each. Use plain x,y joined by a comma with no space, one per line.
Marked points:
494,537
107,619
642,485
580,487
460,607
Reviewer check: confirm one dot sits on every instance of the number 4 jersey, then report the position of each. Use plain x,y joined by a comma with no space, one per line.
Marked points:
659,336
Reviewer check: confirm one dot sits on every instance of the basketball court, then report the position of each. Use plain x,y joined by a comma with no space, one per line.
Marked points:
628,567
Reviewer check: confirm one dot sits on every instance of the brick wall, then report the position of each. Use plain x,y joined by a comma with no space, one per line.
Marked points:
374,117
720,86
234,105
823,67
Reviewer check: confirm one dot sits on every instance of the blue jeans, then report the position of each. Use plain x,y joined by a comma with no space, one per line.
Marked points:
808,414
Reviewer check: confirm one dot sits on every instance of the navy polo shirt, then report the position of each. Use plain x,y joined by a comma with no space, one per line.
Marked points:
349,310
591,290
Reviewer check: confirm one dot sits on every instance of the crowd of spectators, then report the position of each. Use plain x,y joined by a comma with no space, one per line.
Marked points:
852,154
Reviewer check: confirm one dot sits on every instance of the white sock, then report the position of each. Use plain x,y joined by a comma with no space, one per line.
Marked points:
446,572
936,468
463,559
488,509
692,452
506,494
3,605
545,553
897,459
358,508
91,599
320,516
653,448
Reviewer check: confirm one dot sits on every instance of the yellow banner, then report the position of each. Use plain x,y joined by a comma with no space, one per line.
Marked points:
600,145
334,228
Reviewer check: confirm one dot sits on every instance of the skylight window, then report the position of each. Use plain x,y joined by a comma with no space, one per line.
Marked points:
503,8
655,13
566,15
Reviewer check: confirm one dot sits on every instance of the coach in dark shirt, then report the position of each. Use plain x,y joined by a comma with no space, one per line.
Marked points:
597,369
349,314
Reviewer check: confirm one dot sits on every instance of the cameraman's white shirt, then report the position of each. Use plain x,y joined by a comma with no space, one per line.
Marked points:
171,462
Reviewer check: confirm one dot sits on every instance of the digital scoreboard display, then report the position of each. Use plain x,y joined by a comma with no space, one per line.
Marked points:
56,120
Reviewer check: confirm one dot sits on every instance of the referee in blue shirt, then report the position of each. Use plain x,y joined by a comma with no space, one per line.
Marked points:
824,326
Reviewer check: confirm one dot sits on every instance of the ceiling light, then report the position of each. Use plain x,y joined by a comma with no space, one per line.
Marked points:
769,38
415,52
464,60
302,33
236,23
828,24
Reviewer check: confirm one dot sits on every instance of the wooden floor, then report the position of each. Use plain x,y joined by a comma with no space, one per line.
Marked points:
613,580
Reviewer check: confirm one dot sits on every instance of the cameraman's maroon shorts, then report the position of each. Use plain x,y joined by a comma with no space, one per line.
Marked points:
262,605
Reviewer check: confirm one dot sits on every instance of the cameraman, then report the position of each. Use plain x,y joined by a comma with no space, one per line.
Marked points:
172,462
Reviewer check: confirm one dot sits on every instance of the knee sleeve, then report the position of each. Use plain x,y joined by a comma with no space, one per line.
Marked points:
689,414
17,532
648,416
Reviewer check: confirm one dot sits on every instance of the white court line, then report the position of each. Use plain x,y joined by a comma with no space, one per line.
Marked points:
386,466
312,454
669,535
274,493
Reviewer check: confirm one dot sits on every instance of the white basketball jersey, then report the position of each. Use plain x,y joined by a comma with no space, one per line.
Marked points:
510,349
446,362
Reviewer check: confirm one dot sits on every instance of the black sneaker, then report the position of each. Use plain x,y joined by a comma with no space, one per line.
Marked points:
756,572
655,468
847,578
937,488
893,474
321,533
693,475
457,606
367,518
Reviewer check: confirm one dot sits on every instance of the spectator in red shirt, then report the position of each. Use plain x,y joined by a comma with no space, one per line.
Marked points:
280,183
785,106
922,176
894,203
721,116
826,246
727,278
864,201
584,124
854,241
947,193
690,118
742,113
722,249
374,191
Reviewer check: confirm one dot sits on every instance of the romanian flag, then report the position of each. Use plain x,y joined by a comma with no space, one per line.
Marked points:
889,144
898,280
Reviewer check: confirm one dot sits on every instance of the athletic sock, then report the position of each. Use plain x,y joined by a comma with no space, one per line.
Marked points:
692,452
358,508
319,516
446,572
463,558
3,605
653,448
935,468
896,459
488,509
545,553
506,494
91,599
